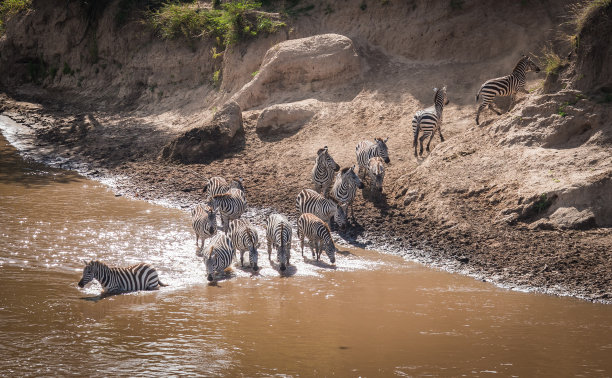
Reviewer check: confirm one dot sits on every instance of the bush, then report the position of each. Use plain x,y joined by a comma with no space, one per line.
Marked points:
552,62
9,8
582,13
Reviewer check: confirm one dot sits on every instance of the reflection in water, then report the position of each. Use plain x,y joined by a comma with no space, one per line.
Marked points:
373,315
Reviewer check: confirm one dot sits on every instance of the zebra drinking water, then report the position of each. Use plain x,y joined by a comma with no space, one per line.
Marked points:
244,238
429,120
505,86
231,206
366,150
218,255
323,171
204,223
319,236
121,280
345,187
309,201
278,235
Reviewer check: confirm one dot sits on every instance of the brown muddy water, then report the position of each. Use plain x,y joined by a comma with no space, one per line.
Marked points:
373,315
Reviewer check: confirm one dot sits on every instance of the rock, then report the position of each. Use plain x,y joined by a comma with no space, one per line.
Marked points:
286,118
203,144
570,217
411,196
302,65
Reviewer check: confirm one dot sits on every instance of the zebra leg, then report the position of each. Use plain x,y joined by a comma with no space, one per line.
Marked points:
301,237
421,139
242,258
312,247
493,108
440,132
430,139
480,108
269,250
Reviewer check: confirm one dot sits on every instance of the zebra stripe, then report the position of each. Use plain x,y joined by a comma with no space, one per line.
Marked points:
505,86
345,188
376,173
278,235
214,186
218,255
319,236
204,223
244,238
323,171
236,187
429,120
231,206
120,280
366,150
309,201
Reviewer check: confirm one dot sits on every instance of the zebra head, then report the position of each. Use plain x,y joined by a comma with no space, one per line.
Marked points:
381,149
89,273
440,98
237,184
526,64
531,66
324,157
210,268
330,251
253,254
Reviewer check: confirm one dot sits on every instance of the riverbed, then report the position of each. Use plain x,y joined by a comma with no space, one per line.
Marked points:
370,314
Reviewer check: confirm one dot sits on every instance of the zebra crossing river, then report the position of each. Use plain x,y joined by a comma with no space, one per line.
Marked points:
373,314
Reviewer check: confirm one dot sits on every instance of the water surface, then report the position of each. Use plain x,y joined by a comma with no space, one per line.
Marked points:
372,315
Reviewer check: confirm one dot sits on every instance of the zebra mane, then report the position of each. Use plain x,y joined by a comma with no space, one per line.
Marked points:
320,150
345,169
221,195
521,62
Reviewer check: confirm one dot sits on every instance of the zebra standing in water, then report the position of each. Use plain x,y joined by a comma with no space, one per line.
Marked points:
505,86
376,173
309,201
120,280
231,206
204,223
345,187
365,150
429,120
319,236
278,235
244,238
216,185
219,255
323,171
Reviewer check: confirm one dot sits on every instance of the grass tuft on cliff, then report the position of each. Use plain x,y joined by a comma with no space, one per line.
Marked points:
232,22
9,8
582,13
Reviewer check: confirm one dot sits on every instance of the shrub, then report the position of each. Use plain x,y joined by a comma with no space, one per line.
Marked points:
583,12
9,8
553,62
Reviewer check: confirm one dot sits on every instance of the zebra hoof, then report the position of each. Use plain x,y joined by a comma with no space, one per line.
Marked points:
255,268
283,267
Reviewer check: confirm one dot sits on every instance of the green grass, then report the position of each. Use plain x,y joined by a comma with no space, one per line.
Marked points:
583,12
552,62
229,23
9,8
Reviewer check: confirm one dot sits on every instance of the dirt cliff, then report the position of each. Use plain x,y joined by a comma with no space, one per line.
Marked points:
524,199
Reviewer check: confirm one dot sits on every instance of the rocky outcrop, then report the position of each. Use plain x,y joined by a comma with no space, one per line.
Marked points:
284,119
202,144
304,65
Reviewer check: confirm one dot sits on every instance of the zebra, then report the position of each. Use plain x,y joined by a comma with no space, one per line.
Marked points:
236,187
218,255
309,201
429,120
345,187
204,223
365,150
278,235
244,238
505,86
319,236
376,173
231,206
215,185
121,280
323,171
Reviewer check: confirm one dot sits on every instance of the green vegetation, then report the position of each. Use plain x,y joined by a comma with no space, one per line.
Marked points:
580,16
234,21
254,73
67,70
542,203
9,8
456,4
552,62
562,109
216,78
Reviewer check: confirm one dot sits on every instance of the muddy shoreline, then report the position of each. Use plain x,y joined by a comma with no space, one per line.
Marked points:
557,262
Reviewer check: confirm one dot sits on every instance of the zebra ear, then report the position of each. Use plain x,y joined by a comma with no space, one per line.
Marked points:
85,262
435,89
385,141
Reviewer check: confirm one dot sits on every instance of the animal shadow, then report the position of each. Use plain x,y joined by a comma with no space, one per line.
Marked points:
320,263
291,270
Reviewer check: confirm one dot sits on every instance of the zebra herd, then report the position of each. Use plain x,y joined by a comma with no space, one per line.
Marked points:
317,207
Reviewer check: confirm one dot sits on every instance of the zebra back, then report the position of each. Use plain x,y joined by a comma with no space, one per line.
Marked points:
231,204
429,120
215,185
309,201
244,238
365,150
278,233
218,255
116,280
376,171
314,229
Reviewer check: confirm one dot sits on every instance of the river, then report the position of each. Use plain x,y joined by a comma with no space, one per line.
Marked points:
373,314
